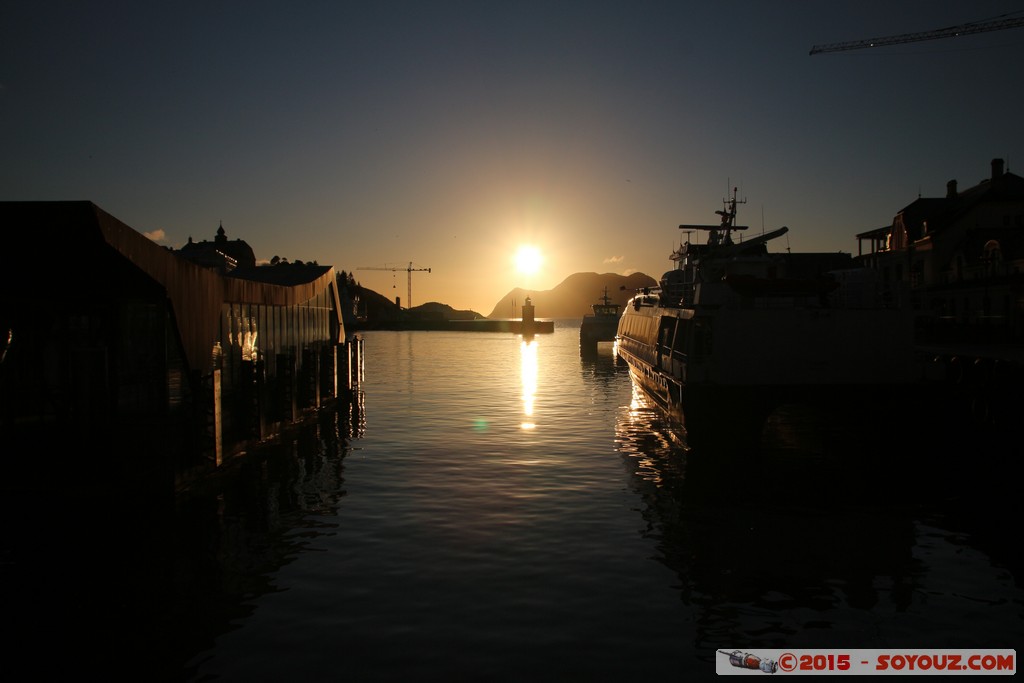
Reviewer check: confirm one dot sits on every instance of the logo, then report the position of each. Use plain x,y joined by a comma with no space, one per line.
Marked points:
744,660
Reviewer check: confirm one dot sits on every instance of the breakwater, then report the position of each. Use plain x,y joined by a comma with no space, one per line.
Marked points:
478,325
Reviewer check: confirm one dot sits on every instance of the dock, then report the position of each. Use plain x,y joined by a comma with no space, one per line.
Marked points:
526,325
511,325
503,325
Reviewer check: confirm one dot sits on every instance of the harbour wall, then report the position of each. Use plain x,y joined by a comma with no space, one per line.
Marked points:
479,325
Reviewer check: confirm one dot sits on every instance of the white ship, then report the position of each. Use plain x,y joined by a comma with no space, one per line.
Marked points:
734,331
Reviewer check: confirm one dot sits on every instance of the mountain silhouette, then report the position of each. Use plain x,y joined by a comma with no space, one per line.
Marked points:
367,309
573,298
575,295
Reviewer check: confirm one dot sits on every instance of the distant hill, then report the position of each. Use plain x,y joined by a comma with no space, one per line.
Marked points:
376,311
435,311
575,295
373,308
572,298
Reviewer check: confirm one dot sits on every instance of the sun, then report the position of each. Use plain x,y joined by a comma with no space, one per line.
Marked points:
528,259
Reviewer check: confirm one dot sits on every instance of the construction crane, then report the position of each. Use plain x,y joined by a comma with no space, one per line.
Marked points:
1003,21
408,269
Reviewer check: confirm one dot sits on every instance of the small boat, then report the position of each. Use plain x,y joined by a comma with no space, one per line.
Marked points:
734,331
600,326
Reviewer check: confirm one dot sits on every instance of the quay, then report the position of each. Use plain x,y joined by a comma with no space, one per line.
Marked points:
527,325
490,325
477,325
995,354
981,383
499,325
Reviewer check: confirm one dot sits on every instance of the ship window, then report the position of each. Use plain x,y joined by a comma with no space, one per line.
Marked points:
668,328
679,347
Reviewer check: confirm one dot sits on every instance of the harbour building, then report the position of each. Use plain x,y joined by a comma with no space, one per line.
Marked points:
962,256
167,362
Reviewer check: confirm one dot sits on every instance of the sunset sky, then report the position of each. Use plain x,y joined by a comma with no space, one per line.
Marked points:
447,134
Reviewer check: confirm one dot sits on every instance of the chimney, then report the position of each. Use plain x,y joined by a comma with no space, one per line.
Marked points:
951,189
997,168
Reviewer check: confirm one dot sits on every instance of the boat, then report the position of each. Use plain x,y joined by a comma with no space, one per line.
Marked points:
732,331
601,326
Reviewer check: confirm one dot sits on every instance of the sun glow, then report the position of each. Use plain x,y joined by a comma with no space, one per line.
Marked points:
528,259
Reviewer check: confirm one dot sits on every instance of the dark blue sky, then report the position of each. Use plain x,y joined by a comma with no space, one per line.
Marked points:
448,133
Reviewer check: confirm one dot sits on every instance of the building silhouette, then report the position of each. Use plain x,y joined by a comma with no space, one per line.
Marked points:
220,253
169,361
962,256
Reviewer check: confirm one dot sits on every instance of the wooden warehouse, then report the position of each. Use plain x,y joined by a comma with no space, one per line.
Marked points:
111,342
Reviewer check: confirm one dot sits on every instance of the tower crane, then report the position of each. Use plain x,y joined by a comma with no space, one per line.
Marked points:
1003,21
408,269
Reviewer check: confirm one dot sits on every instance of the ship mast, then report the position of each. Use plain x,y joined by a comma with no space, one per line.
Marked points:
728,214
721,234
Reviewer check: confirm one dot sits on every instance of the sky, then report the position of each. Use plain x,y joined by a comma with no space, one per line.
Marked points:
374,135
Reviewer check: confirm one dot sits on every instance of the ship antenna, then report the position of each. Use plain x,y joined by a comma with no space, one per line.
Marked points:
729,215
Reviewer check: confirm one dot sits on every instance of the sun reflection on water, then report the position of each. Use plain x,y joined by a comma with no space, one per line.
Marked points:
528,373
647,441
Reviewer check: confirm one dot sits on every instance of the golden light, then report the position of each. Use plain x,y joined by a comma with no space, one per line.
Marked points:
528,375
528,259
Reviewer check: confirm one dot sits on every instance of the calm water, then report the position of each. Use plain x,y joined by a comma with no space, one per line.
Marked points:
494,510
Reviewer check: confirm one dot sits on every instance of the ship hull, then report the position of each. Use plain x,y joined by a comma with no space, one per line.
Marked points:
596,329
716,368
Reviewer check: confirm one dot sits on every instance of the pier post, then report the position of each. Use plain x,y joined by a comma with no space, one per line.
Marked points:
209,422
358,364
351,356
217,419
310,379
262,402
329,371
342,367
318,393
245,416
286,387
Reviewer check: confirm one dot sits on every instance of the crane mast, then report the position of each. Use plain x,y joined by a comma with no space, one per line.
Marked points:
1000,23
409,269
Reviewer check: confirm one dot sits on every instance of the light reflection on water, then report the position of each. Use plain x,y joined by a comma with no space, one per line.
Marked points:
528,350
511,553
818,539
426,533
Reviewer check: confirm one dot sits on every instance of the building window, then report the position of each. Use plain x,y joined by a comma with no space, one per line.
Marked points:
993,257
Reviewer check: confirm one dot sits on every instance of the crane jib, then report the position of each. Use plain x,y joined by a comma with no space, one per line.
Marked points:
713,227
409,269
998,24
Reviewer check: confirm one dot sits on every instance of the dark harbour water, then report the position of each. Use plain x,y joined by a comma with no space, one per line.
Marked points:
491,510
